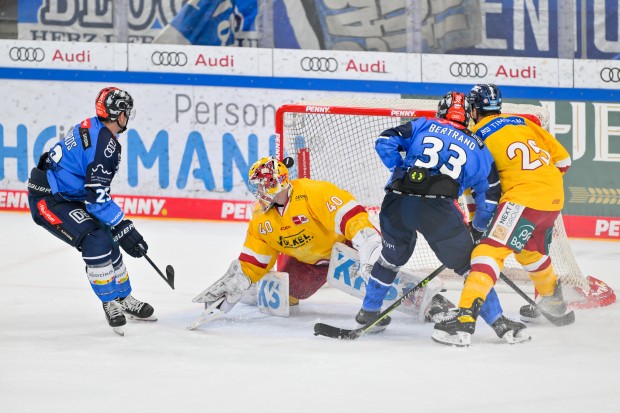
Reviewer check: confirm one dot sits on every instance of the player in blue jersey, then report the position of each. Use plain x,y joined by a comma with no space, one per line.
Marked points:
69,195
442,159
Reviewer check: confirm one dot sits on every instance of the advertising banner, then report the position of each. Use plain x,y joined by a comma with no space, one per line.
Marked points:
186,154
347,65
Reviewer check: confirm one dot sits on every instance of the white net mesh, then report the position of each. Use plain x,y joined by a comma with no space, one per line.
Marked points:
340,149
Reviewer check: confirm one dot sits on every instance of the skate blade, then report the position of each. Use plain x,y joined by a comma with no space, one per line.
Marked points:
512,339
135,318
458,340
119,331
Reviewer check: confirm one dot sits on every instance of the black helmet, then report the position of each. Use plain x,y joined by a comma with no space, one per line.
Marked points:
111,102
454,107
486,98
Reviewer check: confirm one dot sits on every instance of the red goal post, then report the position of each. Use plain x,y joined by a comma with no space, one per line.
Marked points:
333,140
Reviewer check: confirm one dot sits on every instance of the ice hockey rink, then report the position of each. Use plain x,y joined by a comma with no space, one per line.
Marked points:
57,353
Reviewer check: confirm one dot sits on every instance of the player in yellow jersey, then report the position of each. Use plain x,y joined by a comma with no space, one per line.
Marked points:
531,164
296,222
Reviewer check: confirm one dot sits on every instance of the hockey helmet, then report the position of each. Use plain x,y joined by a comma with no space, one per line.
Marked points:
454,107
485,98
111,102
267,178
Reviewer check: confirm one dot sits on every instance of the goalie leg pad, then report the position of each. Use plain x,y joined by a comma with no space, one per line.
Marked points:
273,294
344,274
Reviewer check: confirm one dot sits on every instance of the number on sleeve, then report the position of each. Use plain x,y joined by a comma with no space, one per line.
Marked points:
333,203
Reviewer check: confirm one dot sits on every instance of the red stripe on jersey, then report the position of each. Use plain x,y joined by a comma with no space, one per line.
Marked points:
251,260
353,212
486,269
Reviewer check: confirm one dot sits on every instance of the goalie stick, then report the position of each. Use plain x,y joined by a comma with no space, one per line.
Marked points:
326,330
210,313
559,321
169,277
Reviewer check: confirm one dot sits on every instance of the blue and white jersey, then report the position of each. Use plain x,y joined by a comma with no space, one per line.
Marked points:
81,168
441,147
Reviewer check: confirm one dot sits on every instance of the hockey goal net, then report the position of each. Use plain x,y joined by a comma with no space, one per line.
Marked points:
333,140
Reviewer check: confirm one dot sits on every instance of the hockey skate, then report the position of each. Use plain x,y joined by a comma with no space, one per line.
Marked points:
115,317
136,309
554,304
511,331
457,331
439,309
368,317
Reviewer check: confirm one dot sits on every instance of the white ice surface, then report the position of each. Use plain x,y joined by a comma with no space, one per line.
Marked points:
57,353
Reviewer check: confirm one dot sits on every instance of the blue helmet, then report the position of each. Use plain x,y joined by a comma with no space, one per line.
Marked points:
486,98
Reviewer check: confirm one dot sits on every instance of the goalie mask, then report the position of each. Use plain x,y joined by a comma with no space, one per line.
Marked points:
267,178
454,107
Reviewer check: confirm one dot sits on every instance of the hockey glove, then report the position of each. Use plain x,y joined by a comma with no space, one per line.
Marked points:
476,235
368,243
232,286
126,235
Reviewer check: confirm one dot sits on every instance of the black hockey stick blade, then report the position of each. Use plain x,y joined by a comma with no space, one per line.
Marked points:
169,270
326,330
170,275
558,321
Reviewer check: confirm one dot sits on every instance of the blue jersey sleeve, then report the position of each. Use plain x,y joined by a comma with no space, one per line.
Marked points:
486,189
393,141
98,178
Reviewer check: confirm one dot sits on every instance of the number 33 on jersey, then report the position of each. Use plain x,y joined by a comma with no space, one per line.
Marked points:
318,214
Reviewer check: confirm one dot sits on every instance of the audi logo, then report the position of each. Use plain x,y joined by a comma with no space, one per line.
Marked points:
462,69
319,64
26,54
169,59
610,74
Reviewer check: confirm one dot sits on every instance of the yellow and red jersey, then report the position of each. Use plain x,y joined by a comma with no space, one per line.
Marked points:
530,161
317,215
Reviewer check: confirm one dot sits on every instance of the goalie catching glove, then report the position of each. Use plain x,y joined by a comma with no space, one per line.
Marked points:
367,242
232,286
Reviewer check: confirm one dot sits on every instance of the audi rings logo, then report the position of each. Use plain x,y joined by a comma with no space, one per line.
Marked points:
26,54
169,59
319,64
463,69
610,74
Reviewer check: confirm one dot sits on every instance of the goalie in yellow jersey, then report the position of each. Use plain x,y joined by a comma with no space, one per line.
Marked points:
298,222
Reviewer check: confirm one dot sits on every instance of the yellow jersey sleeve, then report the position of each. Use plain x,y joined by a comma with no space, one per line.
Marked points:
257,257
336,208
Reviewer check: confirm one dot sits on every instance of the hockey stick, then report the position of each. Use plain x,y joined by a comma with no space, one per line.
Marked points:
326,330
559,321
210,313
169,270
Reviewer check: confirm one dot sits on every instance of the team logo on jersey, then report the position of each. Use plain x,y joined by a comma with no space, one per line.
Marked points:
300,219
100,168
295,241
